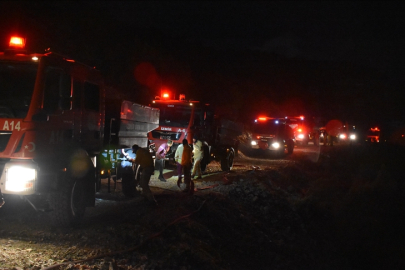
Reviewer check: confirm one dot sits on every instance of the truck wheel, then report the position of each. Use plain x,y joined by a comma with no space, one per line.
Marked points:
290,147
69,203
227,161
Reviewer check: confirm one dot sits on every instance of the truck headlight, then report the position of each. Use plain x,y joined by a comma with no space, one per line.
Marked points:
253,142
352,136
301,136
275,145
20,179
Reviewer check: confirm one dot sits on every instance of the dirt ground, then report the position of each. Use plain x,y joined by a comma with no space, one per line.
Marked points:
248,218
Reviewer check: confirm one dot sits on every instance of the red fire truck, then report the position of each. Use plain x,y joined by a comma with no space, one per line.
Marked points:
304,130
182,119
268,134
56,122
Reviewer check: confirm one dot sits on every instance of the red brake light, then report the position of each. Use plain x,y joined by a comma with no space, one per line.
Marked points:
17,42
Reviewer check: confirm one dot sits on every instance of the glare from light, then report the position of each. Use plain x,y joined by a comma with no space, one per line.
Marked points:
352,136
342,136
34,58
301,136
275,145
20,179
253,143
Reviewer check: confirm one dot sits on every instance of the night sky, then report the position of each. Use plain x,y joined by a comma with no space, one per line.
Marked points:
336,59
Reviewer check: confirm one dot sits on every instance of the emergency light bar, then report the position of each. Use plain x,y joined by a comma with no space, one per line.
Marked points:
17,42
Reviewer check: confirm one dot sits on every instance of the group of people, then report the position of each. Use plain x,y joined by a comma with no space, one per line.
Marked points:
184,156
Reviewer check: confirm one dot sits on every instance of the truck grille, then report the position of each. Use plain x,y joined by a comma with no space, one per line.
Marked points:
164,135
4,138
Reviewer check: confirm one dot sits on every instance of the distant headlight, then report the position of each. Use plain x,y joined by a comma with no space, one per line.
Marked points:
352,136
342,136
253,142
275,145
20,179
301,136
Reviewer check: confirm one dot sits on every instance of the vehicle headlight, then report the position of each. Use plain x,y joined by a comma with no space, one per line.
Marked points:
342,136
352,136
275,145
301,136
20,179
253,142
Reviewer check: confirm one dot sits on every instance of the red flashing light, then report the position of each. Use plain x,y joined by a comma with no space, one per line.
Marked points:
17,42
262,118
165,95
375,129
300,130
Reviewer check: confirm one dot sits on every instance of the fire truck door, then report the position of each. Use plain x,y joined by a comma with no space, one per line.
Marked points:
87,115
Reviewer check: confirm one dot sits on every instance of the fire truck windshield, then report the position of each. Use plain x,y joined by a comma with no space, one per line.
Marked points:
175,115
16,86
267,127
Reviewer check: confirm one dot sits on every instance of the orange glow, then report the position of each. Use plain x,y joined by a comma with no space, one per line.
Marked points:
17,42
299,130
375,129
262,118
165,95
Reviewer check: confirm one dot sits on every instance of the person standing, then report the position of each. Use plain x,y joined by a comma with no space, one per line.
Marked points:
160,158
186,163
145,161
198,154
177,157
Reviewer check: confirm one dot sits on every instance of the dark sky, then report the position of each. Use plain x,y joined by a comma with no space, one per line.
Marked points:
367,33
371,32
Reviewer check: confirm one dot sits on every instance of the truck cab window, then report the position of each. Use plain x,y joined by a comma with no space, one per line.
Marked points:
57,94
91,96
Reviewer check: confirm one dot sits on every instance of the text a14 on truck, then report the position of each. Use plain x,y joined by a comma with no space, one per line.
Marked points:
183,119
56,122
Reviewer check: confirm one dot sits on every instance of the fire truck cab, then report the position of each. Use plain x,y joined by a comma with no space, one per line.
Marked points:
184,119
268,134
304,131
52,123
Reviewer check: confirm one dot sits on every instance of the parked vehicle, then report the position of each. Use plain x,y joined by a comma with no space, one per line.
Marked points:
59,130
268,134
183,119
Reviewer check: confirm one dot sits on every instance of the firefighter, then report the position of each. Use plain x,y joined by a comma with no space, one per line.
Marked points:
160,158
198,155
186,162
145,161
177,157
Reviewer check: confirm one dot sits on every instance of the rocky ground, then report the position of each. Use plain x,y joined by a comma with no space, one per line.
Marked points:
257,216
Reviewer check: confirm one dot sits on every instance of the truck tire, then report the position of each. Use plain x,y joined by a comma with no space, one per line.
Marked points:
75,189
290,147
68,204
227,161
